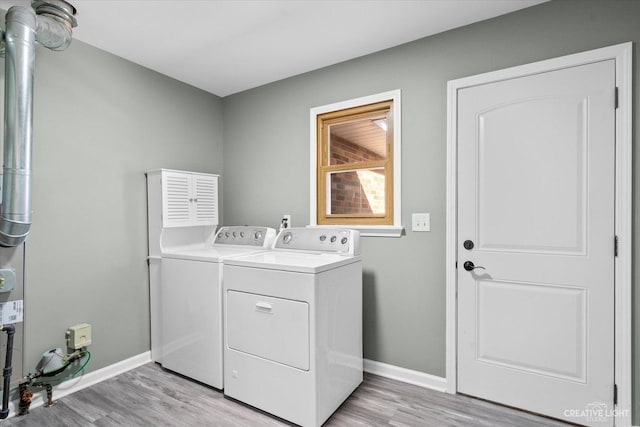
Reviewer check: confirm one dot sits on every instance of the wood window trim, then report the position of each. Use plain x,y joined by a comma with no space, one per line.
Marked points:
324,166
387,224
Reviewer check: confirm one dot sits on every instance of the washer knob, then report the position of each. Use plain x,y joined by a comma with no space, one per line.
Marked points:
234,234
242,234
226,234
344,240
333,239
257,235
286,238
323,238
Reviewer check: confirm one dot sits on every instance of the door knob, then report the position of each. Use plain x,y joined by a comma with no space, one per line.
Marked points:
469,266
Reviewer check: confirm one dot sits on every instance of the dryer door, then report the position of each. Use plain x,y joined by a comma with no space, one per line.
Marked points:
276,329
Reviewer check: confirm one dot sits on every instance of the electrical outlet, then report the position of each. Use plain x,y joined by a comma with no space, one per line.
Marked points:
420,222
286,218
79,336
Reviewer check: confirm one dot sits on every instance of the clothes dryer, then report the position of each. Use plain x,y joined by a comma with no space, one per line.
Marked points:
293,324
192,279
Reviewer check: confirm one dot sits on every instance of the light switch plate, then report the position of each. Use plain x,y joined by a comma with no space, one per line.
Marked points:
420,222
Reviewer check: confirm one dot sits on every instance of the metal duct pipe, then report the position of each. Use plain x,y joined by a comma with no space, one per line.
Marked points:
55,21
52,28
15,212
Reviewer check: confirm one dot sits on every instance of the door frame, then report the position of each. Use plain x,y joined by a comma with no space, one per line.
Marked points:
622,55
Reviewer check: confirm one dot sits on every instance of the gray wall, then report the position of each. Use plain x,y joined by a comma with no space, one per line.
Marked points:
266,143
100,122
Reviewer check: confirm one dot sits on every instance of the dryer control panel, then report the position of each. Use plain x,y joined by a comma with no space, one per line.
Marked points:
246,236
335,240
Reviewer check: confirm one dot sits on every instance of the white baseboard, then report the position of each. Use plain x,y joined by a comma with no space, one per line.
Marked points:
405,375
84,381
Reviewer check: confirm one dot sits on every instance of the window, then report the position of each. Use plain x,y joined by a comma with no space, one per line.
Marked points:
355,164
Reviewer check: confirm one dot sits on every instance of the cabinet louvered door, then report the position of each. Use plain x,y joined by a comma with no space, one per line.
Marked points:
205,199
176,207
189,199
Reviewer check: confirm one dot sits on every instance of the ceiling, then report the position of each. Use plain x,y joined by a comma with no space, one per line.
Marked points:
363,133
227,46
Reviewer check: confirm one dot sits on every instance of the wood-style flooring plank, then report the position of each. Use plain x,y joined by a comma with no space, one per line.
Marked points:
152,396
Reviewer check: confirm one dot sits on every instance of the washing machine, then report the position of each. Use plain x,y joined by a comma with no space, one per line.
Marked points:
293,324
192,321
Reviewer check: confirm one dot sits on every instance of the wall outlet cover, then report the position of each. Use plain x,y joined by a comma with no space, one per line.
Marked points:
79,336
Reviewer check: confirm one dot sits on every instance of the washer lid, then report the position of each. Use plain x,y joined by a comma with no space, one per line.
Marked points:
208,253
301,262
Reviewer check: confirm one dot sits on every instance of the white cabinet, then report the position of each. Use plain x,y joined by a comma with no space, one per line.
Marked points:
183,210
189,198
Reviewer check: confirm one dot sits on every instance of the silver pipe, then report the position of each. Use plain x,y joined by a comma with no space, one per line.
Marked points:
55,21
15,212
52,28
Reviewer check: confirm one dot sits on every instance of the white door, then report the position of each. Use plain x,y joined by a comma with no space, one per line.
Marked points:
536,218
176,199
205,196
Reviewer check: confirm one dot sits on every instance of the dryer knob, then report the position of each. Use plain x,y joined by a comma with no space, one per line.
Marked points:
286,238
333,239
257,235
344,240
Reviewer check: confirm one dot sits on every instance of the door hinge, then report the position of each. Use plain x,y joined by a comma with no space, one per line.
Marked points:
615,394
616,98
615,246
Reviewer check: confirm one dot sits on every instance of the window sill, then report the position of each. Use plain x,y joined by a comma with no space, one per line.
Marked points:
369,230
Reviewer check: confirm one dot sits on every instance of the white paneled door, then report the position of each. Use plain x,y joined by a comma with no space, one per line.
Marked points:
536,242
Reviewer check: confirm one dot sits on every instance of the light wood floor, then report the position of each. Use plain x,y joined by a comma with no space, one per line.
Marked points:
151,396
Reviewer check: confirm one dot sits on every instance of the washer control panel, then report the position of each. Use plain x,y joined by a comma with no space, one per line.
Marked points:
336,240
246,236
